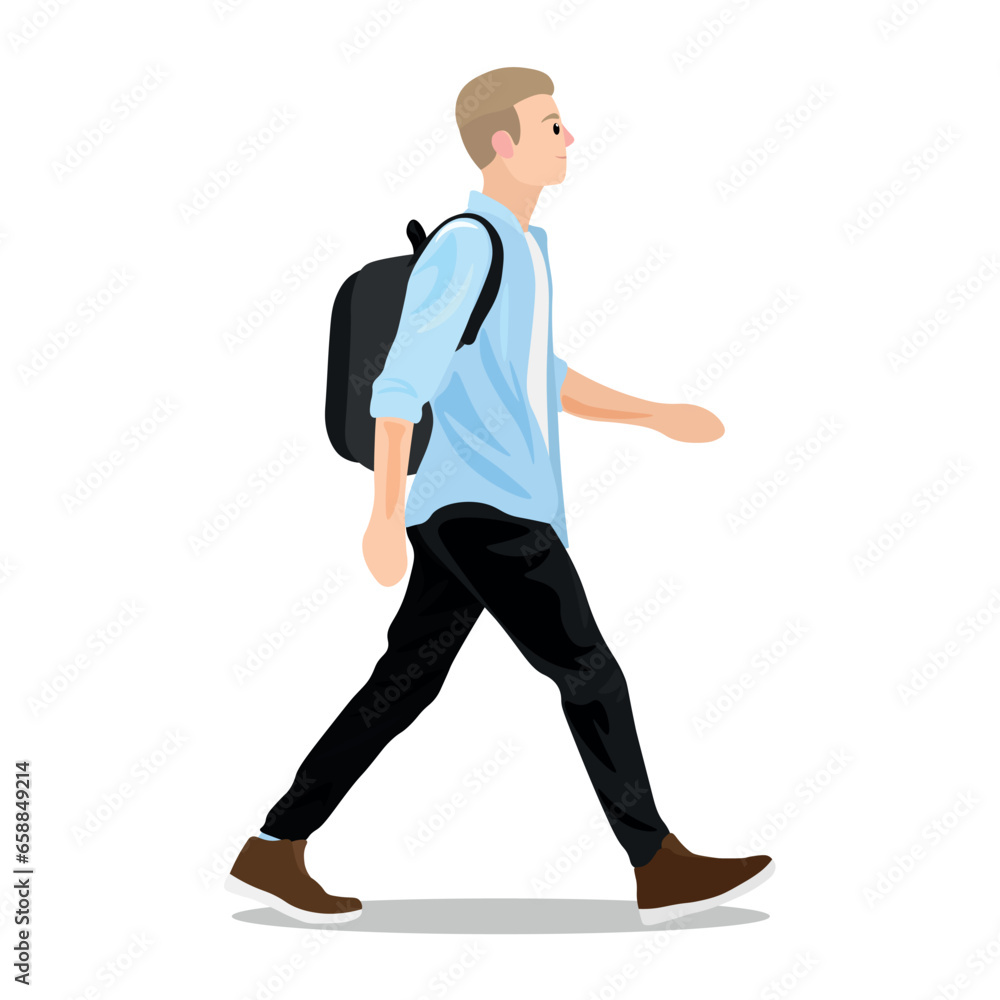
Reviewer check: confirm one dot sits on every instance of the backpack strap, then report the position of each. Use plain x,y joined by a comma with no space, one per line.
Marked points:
491,285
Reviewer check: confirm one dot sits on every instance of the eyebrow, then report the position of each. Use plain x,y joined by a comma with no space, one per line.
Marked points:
547,117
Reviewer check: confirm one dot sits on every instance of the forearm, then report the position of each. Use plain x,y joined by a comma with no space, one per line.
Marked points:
392,458
584,397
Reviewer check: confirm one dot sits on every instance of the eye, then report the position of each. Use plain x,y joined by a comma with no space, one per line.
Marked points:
555,127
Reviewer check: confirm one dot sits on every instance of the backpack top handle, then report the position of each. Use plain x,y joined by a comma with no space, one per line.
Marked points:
415,233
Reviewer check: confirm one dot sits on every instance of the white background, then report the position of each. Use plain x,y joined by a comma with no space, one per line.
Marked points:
202,754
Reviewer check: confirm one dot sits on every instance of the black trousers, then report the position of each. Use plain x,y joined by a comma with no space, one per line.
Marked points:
467,557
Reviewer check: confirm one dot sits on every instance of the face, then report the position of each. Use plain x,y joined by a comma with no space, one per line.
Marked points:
539,156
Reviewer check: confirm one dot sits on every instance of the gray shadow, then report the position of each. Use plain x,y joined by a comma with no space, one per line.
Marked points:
507,916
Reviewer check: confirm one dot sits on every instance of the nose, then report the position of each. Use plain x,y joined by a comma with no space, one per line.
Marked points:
569,136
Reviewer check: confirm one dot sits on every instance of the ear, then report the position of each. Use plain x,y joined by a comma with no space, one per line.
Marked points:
503,145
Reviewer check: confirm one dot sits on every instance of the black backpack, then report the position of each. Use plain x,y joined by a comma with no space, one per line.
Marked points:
364,322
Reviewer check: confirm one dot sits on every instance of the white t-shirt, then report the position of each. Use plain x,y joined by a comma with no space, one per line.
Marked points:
538,368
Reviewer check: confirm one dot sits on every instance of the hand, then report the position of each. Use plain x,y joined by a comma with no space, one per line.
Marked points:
687,422
384,548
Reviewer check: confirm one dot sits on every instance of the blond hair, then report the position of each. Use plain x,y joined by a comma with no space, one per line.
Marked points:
485,105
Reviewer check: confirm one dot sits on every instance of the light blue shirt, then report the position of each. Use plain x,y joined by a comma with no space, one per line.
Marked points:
486,445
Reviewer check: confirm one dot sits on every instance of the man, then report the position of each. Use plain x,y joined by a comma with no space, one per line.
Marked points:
486,522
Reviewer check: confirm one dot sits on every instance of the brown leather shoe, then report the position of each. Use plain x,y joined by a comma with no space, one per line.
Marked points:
273,872
677,882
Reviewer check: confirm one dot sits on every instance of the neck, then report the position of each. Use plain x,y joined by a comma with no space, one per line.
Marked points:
519,198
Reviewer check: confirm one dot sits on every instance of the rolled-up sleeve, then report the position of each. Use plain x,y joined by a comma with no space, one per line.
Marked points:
441,293
562,367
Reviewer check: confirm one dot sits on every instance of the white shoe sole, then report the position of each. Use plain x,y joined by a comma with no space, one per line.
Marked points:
241,888
661,914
